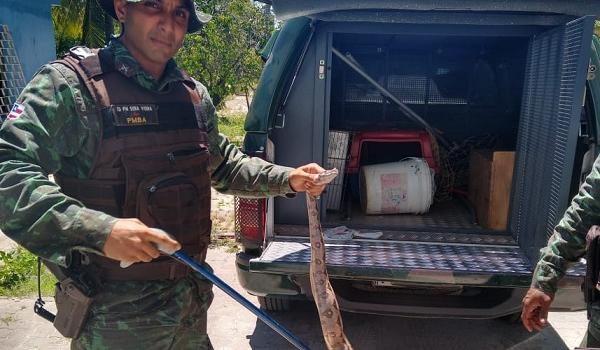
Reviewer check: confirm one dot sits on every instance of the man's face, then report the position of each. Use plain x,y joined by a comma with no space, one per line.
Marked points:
154,29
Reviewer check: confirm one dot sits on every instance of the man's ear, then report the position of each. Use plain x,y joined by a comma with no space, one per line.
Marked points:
121,9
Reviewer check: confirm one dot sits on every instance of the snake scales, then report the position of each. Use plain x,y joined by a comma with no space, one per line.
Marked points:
323,294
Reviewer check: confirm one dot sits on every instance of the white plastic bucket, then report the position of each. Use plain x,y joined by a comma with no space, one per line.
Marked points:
400,187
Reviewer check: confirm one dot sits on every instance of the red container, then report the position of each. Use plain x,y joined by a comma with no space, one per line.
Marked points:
420,137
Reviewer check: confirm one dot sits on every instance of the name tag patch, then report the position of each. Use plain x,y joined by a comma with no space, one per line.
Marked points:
134,115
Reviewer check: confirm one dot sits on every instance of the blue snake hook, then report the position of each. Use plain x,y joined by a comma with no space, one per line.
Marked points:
181,256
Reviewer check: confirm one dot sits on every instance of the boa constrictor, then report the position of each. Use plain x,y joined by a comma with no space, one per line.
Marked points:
327,305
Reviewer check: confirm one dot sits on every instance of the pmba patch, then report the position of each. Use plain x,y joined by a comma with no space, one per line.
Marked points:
134,115
16,111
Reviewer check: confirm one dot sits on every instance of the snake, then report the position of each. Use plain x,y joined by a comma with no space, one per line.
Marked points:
323,294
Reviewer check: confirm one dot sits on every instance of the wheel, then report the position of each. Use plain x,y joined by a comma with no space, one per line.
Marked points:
274,303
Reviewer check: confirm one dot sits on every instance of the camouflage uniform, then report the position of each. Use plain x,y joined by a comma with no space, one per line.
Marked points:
50,137
567,245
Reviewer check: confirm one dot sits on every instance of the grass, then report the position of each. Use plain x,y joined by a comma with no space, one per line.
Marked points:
18,275
229,243
232,125
223,226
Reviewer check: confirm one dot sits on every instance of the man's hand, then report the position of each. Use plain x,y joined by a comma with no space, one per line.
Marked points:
536,304
132,241
302,179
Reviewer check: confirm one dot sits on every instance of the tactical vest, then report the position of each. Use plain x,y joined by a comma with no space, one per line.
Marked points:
151,162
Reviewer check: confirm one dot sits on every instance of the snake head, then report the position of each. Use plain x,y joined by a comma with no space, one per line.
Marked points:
326,177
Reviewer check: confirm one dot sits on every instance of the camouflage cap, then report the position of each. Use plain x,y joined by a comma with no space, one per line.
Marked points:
196,21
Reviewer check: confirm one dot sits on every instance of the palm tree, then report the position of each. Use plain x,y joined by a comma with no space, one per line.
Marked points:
80,22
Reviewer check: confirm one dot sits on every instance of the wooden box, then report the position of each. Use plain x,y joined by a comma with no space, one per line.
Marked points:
490,181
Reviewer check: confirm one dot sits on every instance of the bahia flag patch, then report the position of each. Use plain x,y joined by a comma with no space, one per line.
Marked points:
16,111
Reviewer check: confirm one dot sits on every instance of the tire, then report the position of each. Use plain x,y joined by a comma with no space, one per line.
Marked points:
274,303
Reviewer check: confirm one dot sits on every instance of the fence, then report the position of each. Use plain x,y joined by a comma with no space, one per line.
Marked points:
12,80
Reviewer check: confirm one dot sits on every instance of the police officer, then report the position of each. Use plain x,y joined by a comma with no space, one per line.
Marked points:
565,247
134,144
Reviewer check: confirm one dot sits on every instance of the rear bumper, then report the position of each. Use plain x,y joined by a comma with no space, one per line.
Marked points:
263,284
354,300
468,302
385,287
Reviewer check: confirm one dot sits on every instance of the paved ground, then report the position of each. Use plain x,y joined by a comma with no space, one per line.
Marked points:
6,244
232,327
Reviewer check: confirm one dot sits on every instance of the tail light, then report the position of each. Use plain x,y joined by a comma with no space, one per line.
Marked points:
250,215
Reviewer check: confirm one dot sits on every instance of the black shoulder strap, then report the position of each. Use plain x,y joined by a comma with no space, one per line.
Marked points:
89,65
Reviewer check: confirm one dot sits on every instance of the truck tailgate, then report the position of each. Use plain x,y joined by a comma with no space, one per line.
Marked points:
405,261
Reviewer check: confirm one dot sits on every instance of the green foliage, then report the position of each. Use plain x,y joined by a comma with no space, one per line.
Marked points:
17,266
67,19
18,274
79,22
229,243
95,25
224,56
232,125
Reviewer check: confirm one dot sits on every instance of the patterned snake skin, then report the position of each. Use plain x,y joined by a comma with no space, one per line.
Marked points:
329,311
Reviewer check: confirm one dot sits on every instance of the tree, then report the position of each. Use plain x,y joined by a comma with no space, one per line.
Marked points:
224,56
80,22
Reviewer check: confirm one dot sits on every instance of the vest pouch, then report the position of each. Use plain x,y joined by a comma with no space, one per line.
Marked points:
188,159
72,306
169,201
193,161
169,188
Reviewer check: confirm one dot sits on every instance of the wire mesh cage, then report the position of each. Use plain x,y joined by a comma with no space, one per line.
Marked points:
12,80
337,155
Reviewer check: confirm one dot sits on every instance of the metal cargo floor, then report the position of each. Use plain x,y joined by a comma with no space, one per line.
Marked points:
451,214
483,237
416,262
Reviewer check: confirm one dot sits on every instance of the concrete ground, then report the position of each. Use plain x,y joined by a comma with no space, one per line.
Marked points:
230,326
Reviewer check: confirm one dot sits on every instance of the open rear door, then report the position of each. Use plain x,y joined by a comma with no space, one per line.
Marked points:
555,77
